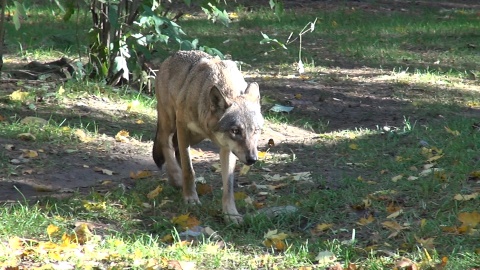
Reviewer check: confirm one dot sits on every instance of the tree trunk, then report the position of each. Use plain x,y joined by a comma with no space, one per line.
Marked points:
3,3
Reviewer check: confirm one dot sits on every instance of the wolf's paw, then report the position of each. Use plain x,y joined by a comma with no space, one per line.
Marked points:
191,199
235,219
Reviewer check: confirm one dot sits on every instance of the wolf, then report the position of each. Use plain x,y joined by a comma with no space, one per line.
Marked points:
202,97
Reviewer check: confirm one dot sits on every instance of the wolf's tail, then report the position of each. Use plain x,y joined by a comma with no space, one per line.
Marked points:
157,153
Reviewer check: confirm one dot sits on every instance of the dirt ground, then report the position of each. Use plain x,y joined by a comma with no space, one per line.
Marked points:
365,100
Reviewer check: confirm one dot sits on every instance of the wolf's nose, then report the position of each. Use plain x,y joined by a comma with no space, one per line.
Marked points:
251,161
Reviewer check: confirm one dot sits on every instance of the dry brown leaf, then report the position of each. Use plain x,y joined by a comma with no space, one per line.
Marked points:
470,219
203,189
321,228
26,137
426,242
366,221
140,174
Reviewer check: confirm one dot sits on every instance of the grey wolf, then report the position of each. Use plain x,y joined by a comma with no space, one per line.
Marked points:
202,97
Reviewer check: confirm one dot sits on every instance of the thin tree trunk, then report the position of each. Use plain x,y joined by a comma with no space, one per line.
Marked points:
3,3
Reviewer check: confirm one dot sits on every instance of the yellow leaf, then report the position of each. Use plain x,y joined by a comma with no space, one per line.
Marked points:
94,206
244,170
140,174
353,146
423,222
61,90
154,193
52,229
15,243
460,197
475,175
139,122
453,132
186,221
322,227
436,157
30,154
469,218
275,240
298,96
263,155
240,195
19,95
274,234
122,136
233,15
366,221
82,136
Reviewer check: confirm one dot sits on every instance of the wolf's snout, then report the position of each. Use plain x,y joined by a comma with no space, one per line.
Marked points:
251,160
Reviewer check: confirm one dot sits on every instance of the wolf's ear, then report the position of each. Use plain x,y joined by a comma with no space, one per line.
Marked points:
218,102
252,93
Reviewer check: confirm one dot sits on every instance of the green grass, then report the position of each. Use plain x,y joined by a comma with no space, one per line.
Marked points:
355,172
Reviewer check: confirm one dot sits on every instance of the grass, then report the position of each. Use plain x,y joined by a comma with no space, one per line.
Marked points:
365,202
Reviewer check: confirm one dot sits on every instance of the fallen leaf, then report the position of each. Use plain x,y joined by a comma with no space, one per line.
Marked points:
366,221
19,95
302,176
52,229
82,136
29,153
396,178
26,137
203,189
470,219
94,206
429,171
274,178
186,221
244,170
406,263
453,132
154,193
426,242
31,120
140,174
461,197
122,136
395,214
275,239
353,146
9,147
325,258
322,227
240,195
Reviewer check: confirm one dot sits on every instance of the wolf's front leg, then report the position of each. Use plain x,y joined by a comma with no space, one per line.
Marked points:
189,191
227,161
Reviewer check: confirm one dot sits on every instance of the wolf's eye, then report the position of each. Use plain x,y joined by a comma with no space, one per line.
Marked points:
235,131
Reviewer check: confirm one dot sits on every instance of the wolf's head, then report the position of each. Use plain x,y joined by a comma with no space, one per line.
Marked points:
240,122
